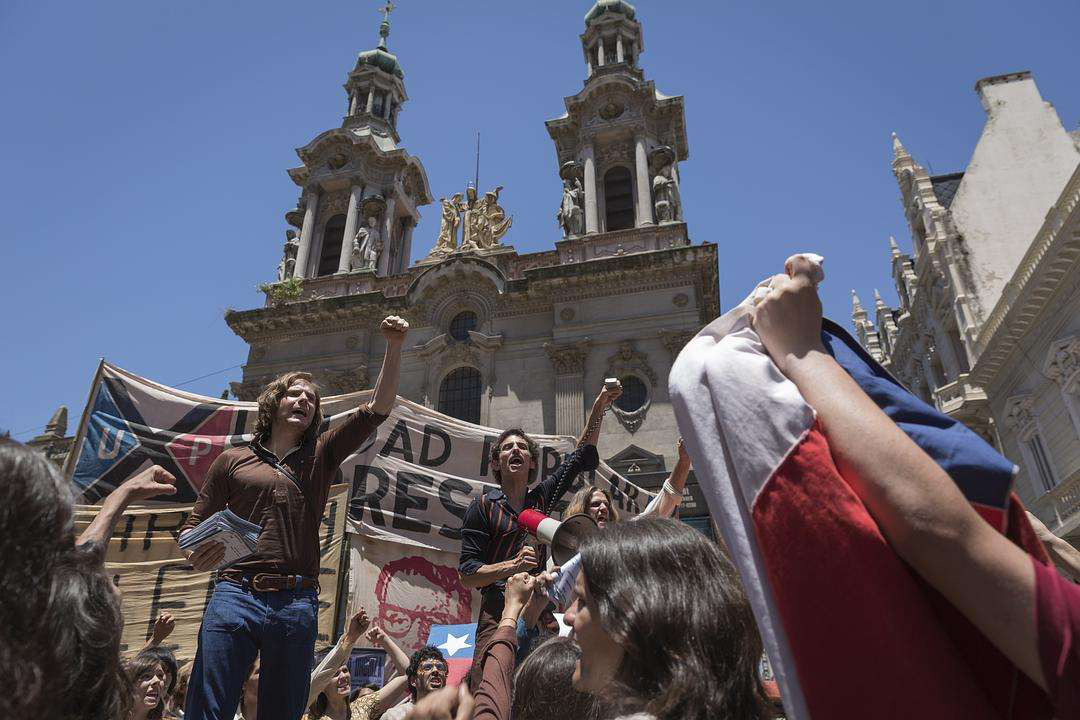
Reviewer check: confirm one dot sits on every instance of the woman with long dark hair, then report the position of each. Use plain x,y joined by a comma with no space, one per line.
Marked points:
663,626
147,676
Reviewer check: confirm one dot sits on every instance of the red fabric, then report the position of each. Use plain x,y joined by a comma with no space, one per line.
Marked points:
867,639
1057,617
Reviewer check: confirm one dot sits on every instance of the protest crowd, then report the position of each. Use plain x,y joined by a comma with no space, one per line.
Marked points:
663,622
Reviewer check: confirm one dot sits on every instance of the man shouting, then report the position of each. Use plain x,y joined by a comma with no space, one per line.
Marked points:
266,604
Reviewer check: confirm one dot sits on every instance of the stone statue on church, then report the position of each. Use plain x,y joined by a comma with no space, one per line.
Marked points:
666,196
448,224
366,247
287,266
485,221
571,215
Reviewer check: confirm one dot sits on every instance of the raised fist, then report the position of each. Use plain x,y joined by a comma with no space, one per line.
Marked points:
394,329
154,480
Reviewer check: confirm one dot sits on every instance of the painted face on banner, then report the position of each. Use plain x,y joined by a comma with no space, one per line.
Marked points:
414,594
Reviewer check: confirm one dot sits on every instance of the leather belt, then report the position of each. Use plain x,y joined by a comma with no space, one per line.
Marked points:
269,582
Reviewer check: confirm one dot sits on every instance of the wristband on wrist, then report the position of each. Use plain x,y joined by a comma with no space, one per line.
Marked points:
670,490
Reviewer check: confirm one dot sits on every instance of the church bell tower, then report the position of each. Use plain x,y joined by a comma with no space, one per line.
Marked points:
360,190
618,147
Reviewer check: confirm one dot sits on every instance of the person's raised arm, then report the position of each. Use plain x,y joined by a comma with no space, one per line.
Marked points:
376,636
337,656
163,627
393,329
917,506
151,482
497,666
670,496
603,401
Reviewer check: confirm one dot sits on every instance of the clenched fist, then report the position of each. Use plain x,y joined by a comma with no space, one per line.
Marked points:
394,329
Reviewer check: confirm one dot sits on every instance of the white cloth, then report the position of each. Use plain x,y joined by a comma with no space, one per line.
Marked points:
724,378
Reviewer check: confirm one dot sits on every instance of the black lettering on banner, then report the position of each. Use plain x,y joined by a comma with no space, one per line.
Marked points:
400,432
485,456
152,525
550,460
447,486
328,521
425,458
156,603
403,501
125,534
373,500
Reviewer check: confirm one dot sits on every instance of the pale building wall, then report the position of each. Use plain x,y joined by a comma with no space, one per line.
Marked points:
1022,160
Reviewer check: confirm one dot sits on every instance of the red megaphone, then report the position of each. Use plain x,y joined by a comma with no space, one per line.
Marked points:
564,537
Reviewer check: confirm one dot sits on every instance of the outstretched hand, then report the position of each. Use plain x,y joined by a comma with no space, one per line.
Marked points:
163,627
788,319
609,395
449,703
154,480
358,623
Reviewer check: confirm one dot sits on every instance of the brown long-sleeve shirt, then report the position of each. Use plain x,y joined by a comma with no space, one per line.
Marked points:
285,496
496,689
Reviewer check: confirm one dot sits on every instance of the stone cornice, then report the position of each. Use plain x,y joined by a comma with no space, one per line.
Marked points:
1048,273
535,291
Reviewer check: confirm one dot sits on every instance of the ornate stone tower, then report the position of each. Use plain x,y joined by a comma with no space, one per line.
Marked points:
361,191
618,147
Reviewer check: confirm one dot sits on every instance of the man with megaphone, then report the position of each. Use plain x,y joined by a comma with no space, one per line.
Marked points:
494,545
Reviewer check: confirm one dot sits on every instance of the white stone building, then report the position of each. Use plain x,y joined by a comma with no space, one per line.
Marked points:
988,326
501,338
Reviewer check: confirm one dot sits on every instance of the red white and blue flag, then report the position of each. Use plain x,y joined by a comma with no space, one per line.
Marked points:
849,629
456,643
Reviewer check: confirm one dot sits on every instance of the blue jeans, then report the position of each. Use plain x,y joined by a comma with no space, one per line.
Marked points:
240,624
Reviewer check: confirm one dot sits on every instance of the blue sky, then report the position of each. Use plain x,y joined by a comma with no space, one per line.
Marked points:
146,144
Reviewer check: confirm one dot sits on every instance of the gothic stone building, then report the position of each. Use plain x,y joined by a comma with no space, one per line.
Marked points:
988,326
501,338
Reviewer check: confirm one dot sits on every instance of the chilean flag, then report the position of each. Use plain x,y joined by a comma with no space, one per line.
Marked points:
456,643
849,629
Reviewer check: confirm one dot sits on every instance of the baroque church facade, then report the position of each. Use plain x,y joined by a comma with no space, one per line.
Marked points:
501,338
988,326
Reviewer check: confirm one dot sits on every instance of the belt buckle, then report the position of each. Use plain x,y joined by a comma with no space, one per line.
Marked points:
255,583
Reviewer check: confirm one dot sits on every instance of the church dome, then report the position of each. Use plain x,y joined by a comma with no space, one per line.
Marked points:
603,6
382,59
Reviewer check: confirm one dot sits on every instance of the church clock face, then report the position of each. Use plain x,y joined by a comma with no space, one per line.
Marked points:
612,110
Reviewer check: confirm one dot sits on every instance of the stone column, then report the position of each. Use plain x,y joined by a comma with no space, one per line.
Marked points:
600,52
370,99
644,191
569,364
308,229
387,230
406,245
351,225
592,221
618,48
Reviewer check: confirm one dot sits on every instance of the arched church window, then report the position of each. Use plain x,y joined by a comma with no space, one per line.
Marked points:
361,100
462,323
333,234
634,394
618,199
377,106
459,394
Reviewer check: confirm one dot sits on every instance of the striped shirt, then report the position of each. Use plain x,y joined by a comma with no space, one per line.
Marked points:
490,532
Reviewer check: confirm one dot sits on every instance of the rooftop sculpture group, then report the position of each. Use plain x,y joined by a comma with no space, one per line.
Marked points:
483,221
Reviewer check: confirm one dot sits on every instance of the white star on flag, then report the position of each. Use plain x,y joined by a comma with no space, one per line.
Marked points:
454,643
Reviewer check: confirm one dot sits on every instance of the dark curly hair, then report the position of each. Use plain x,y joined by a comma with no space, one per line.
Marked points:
428,652
673,602
534,453
65,613
270,398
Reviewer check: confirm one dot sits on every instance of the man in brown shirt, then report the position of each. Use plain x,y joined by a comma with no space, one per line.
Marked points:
266,604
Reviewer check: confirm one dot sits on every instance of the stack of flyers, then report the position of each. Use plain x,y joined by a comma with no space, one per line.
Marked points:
239,536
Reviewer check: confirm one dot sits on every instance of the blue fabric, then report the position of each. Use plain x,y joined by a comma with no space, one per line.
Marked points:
526,641
981,473
239,624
